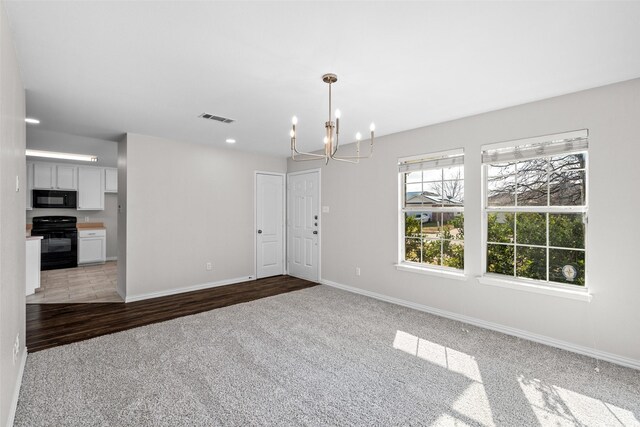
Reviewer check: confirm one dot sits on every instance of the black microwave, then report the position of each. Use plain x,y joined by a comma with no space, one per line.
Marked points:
54,199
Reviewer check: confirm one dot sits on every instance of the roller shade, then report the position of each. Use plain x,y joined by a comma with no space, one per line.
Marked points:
531,148
435,161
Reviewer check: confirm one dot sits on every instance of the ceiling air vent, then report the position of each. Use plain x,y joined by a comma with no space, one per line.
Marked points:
216,118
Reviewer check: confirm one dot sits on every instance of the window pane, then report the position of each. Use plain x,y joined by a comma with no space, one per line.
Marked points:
412,177
453,192
432,193
412,250
453,225
431,252
501,184
453,254
433,228
412,194
567,188
566,230
568,161
531,229
532,183
500,259
453,172
531,262
432,175
566,266
412,226
500,227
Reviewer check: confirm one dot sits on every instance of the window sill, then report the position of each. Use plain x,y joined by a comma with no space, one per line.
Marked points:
432,271
577,294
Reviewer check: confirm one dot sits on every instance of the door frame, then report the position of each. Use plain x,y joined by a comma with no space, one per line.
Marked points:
303,172
255,220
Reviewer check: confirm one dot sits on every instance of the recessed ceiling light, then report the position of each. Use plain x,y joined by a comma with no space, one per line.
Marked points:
32,121
231,141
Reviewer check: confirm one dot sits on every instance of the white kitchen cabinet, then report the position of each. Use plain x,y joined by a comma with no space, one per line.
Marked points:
48,176
92,246
29,186
44,176
90,188
66,177
110,180
33,264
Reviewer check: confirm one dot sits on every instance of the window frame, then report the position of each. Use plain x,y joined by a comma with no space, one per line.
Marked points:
419,267
523,282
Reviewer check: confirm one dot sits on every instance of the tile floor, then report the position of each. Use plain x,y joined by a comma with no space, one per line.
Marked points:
92,283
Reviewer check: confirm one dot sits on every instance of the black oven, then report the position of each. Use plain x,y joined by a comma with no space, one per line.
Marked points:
59,247
54,199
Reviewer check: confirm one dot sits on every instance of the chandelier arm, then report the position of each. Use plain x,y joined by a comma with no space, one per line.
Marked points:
294,151
299,159
357,157
340,159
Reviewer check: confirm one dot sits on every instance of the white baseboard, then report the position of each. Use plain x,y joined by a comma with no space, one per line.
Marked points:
112,258
175,291
16,389
542,339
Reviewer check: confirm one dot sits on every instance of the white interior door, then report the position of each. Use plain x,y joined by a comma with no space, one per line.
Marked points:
303,220
269,225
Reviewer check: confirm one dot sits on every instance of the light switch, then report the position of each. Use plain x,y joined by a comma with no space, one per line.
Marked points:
325,209
17,183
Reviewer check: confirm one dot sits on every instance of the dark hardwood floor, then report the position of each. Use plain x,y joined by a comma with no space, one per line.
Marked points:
51,325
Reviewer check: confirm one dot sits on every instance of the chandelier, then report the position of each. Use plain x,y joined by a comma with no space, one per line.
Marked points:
331,138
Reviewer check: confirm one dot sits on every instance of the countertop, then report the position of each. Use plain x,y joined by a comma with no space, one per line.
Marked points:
79,225
34,237
90,226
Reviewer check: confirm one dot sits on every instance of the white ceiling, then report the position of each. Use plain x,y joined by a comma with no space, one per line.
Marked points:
101,68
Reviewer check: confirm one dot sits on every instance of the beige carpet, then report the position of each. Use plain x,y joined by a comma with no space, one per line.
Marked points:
319,357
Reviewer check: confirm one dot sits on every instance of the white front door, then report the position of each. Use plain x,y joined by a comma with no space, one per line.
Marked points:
303,220
269,225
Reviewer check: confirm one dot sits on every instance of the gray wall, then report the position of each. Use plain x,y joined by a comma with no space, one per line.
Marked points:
40,139
188,204
12,220
109,216
362,226
122,217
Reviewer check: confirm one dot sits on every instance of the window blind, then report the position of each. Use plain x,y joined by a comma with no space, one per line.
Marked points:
531,148
435,161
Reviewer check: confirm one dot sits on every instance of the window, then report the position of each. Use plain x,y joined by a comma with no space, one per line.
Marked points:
535,208
432,208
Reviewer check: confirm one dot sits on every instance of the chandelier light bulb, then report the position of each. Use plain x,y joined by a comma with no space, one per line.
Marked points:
338,114
358,136
294,120
372,127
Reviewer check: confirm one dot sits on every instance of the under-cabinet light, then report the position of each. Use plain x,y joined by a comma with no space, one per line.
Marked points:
65,156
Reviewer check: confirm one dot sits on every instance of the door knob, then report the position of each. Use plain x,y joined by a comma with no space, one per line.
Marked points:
315,231
259,231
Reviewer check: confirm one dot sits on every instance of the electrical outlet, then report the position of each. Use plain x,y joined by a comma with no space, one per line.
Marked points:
86,219
17,183
357,271
16,347
209,266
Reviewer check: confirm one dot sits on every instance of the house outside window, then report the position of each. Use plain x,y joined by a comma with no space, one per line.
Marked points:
535,209
432,210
